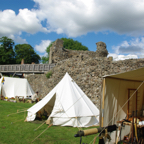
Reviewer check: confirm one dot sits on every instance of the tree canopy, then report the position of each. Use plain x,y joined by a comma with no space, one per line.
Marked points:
13,55
67,44
73,45
7,54
26,52
45,59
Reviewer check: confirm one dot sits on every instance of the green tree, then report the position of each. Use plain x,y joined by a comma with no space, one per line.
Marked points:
26,52
73,45
7,54
67,44
45,59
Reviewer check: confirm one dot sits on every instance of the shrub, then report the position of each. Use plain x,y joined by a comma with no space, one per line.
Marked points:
49,74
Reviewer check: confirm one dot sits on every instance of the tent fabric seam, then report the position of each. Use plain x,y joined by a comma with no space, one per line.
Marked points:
85,102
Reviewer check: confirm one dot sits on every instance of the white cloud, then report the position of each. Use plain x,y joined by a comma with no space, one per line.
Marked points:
77,17
122,57
19,40
134,46
25,21
45,55
129,49
43,45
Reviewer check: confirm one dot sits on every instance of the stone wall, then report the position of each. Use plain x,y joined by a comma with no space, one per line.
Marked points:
86,71
58,53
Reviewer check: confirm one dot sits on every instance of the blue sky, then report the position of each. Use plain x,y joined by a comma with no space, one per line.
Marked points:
118,23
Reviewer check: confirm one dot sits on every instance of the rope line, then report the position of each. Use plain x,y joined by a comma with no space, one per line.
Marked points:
20,119
40,134
69,108
84,100
79,124
21,109
16,121
40,125
16,113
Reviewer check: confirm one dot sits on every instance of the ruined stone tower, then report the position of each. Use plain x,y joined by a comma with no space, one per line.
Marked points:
58,53
55,50
101,50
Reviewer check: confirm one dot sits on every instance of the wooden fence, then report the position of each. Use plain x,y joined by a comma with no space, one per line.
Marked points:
26,68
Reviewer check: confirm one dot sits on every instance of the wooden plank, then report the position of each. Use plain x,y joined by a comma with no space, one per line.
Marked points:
103,97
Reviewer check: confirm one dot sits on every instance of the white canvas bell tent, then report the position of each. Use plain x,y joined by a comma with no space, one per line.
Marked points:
67,105
119,98
15,87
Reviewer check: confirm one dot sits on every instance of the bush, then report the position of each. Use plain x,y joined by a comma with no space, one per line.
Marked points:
49,74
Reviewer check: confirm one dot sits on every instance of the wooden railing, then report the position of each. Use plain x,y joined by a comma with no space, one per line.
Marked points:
26,68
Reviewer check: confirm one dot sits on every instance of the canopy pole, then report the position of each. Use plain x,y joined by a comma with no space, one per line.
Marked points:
103,97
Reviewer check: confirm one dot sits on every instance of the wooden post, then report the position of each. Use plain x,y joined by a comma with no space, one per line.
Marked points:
103,96
23,99
128,104
132,127
136,102
1,88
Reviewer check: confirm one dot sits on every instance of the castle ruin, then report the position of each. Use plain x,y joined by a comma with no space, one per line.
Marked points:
87,69
58,53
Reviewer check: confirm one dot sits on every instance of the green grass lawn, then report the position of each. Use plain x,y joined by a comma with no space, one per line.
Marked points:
13,129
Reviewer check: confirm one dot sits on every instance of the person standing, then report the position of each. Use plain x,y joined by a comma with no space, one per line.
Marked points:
35,97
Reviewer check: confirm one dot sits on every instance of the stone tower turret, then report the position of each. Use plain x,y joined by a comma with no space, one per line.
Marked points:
101,50
55,51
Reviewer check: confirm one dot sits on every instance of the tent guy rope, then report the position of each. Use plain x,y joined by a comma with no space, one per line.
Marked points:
39,126
20,119
16,113
42,133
